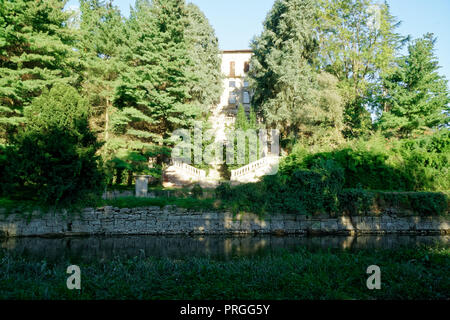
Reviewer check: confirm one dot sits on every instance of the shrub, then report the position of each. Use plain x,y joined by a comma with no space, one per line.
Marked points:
426,161
379,164
223,191
197,191
54,159
54,166
3,172
423,203
303,192
356,202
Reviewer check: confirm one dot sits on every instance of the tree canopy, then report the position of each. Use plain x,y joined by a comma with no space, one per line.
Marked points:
36,52
417,97
91,96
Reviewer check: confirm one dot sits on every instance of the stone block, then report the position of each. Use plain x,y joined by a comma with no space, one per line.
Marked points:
329,225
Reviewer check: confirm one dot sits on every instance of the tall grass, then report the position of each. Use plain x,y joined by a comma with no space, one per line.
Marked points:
407,273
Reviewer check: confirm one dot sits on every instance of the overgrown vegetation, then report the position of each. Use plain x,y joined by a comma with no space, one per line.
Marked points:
91,99
420,164
349,179
187,203
312,198
54,158
355,202
408,273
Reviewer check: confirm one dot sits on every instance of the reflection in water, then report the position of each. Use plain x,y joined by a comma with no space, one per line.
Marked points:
104,248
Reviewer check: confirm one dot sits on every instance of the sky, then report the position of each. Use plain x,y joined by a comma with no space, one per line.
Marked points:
237,21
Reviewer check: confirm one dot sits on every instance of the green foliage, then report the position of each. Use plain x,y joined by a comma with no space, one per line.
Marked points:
3,169
426,161
366,168
318,66
153,95
302,192
35,53
241,119
380,164
417,98
101,40
204,54
358,42
224,192
53,160
172,76
187,203
61,107
418,273
246,132
355,202
289,93
197,191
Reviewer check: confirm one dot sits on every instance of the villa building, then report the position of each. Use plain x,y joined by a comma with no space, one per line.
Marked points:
235,67
236,92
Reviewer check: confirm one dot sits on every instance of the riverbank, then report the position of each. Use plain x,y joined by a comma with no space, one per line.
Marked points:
406,273
172,220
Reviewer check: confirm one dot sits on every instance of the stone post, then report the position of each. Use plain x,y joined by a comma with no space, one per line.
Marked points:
141,185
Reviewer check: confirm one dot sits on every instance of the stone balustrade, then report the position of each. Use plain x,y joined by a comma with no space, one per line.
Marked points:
198,173
253,167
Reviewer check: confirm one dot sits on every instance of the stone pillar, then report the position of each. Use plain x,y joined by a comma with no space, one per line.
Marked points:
141,186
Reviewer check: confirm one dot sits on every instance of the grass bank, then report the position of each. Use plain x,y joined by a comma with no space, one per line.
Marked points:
406,273
250,198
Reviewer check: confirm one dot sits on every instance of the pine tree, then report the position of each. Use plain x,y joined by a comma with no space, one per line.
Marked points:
153,94
286,84
54,157
36,51
417,97
241,119
205,85
252,121
101,43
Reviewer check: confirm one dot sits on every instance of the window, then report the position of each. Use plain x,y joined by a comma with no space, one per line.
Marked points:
246,97
232,84
246,84
232,69
232,99
246,67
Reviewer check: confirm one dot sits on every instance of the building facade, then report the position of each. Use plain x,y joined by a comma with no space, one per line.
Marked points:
236,91
235,67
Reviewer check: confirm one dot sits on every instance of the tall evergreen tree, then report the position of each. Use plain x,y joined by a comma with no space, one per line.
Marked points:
36,51
205,85
241,122
283,75
53,159
153,95
417,96
101,43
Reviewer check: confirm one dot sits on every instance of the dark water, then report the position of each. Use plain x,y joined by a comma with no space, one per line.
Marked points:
218,247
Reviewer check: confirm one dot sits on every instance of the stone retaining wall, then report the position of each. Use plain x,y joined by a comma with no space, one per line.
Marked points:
173,220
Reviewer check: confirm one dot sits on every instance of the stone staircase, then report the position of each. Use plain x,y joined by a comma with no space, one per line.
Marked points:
181,174
255,170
